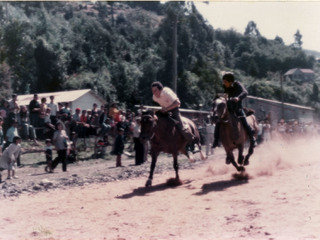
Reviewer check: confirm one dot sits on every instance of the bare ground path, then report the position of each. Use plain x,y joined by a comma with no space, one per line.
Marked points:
281,200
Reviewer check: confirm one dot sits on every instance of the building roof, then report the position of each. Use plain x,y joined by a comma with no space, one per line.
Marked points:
304,70
279,103
63,96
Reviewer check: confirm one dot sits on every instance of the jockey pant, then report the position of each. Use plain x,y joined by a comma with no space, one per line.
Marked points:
179,125
243,118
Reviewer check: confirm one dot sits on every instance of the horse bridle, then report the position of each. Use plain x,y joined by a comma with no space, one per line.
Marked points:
152,118
224,115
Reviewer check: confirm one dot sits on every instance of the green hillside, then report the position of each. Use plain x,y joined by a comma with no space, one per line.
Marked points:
119,48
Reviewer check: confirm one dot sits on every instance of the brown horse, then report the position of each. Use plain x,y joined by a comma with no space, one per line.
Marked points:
232,133
160,129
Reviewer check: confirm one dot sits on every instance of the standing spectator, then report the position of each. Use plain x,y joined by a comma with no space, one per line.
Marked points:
266,131
138,146
83,126
42,115
65,116
209,135
27,130
48,152
4,113
104,122
94,119
54,109
64,112
282,128
60,139
10,157
4,108
75,121
34,110
119,147
122,123
260,132
11,133
114,112
49,127
1,135
13,107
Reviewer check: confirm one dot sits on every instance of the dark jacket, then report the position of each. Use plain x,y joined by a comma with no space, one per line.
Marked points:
118,145
236,90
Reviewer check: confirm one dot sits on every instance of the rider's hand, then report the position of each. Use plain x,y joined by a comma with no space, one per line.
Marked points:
235,99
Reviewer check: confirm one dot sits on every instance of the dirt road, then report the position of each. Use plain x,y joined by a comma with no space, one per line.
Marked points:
281,200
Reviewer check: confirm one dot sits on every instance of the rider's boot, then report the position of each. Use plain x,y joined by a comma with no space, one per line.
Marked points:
249,131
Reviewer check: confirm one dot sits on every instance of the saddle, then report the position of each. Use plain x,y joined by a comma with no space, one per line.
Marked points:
160,114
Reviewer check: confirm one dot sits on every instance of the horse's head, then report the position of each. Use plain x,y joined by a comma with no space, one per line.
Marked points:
219,109
148,121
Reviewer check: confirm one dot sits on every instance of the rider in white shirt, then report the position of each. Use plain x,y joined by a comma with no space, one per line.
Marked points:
170,103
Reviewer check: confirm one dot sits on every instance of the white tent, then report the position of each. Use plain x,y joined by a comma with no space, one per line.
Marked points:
83,98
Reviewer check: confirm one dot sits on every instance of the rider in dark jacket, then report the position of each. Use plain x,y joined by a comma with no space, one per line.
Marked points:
236,93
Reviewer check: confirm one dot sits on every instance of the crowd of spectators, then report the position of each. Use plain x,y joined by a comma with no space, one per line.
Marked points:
39,121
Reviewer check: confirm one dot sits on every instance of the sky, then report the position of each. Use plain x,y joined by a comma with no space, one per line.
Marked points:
273,18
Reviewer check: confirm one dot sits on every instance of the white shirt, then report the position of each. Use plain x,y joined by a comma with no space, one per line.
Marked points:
12,151
54,108
136,130
167,97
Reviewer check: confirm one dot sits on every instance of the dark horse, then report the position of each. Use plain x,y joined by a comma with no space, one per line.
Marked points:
160,129
232,134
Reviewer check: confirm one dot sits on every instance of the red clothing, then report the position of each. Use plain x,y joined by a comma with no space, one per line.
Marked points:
83,118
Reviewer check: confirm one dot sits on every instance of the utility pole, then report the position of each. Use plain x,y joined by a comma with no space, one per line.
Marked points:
281,87
174,54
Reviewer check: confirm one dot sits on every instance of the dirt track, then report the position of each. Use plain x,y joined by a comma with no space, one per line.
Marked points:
279,201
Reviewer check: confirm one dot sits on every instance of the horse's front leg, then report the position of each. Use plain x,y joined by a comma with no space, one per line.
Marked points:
230,159
176,166
240,154
154,157
250,152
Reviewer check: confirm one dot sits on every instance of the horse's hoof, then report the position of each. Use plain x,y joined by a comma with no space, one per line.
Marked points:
149,183
241,169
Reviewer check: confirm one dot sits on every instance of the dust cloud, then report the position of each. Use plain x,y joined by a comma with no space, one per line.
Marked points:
269,157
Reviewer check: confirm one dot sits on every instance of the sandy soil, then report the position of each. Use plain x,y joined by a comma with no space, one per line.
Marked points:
281,200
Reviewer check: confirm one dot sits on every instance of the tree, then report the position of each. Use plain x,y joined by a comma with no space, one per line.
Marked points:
252,30
315,93
279,40
297,40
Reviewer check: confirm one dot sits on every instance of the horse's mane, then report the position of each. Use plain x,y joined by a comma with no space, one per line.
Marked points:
147,112
160,114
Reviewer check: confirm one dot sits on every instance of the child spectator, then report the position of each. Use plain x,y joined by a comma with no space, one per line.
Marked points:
48,151
60,139
119,147
9,157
